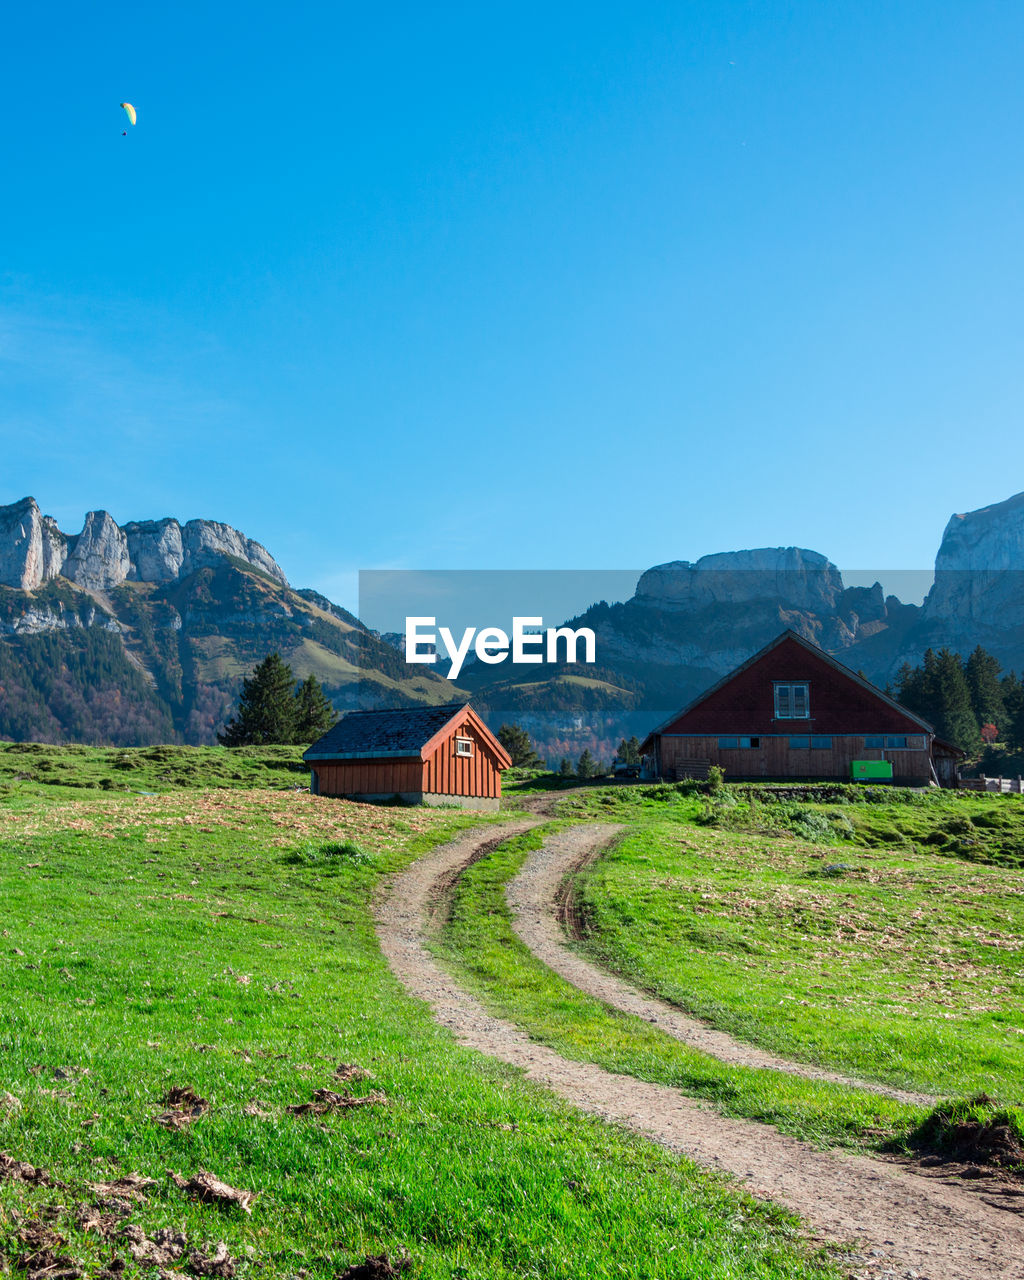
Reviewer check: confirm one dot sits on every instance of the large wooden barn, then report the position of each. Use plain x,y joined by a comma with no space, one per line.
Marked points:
792,711
421,755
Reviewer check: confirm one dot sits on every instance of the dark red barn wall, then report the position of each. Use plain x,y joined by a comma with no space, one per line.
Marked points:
838,704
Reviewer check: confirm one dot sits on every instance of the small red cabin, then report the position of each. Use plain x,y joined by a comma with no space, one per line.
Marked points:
422,755
792,711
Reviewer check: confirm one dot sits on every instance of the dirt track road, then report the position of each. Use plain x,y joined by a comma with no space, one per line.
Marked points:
537,903
906,1224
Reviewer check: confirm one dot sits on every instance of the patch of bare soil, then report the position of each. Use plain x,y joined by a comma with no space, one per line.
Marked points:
540,898
184,1105
21,1171
377,1267
325,1100
906,1225
208,1187
39,1257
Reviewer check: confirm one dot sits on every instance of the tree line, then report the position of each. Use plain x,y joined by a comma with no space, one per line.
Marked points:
969,702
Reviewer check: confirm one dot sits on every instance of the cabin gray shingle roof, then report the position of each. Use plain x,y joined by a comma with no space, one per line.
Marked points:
396,732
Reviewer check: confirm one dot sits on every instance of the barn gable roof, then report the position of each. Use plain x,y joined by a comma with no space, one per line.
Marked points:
812,648
398,732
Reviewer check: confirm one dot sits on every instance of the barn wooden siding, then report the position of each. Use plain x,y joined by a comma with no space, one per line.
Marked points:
448,774
383,777
443,772
775,758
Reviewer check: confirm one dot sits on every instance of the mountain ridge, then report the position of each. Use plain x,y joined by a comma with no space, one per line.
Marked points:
170,616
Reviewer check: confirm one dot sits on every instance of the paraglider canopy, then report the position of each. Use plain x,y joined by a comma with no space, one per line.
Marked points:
130,111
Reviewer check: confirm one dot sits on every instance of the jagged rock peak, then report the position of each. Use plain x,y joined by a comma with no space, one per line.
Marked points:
797,577
33,549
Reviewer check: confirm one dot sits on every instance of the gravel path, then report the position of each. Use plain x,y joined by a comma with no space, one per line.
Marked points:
906,1224
539,899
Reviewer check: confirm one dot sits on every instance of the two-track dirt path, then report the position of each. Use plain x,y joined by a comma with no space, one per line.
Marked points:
539,904
906,1224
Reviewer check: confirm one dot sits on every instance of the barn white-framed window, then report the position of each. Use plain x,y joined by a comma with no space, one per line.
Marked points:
463,746
792,701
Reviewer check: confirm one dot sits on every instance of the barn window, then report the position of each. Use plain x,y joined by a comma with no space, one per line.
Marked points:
728,742
463,746
800,743
792,702
821,743
750,742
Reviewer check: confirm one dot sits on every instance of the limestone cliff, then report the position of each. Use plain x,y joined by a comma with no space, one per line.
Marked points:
979,574
33,550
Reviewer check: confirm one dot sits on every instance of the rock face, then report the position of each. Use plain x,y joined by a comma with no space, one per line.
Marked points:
32,548
154,550
979,572
99,557
205,541
103,555
796,578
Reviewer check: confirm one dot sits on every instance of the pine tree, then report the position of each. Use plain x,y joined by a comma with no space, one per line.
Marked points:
516,741
955,720
314,714
917,690
1013,699
266,707
565,767
982,672
586,765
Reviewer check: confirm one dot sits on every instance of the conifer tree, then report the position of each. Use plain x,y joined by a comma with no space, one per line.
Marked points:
266,707
565,767
1012,733
586,766
955,720
982,672
314,714
516,741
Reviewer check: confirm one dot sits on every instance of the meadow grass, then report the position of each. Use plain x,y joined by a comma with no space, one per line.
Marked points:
896,964
222,940
479,945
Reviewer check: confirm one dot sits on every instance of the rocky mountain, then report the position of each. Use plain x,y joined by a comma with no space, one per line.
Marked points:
33,550
141,633
686,626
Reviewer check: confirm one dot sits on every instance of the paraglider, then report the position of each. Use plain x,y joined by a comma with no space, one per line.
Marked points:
129,111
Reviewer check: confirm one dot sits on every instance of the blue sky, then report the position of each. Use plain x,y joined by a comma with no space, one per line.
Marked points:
466,286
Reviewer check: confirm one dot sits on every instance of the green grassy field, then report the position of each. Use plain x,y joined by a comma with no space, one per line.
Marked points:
479,944
898,964
895,965
220,939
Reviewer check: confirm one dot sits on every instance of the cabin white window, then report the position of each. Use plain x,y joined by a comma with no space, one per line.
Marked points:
463,746
792,702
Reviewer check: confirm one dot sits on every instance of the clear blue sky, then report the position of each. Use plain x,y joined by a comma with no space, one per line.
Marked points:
573,285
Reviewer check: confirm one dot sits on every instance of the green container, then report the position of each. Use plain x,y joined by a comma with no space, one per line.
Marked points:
871,769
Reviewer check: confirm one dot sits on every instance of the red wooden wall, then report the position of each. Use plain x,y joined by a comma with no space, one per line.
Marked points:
838,705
